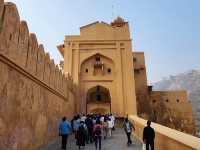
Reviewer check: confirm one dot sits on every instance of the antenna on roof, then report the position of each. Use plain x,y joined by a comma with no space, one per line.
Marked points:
115,6
112,11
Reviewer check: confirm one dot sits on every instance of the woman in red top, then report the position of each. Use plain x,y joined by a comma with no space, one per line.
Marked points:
97,131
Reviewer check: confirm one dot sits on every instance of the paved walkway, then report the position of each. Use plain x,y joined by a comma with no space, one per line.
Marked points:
116,142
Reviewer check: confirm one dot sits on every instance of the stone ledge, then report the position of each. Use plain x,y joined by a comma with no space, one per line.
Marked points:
179,138
30,76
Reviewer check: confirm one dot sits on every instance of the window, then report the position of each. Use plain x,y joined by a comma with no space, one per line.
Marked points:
178,100
137,71
98,97
86,70
109,70
154,101
167,100
121,44
97,58
134,59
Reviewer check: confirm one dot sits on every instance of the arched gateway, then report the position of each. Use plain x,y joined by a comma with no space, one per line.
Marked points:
98,100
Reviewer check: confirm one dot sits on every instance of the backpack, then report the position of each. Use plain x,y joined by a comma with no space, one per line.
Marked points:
98,131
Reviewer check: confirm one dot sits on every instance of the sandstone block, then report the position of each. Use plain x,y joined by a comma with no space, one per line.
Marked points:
60,81
40,63
23,44
52,74
40,129
63,82
66,90
57,78
3,79
47,69
2,127
1,12
9,30
32,54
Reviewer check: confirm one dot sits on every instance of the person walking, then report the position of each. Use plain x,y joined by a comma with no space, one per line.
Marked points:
110,126
77,125
81,135
113,121
64,131
128,127
89,125
149,136
72,124
83,117
97,133
105,127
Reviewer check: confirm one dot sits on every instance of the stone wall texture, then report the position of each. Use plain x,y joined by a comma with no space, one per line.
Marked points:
172,109
168,108
34,94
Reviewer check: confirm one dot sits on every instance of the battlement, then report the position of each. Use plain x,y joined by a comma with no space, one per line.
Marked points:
23,49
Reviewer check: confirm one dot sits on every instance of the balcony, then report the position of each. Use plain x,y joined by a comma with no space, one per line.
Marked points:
98,64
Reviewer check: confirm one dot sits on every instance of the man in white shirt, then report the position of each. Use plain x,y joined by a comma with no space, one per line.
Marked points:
83,118
112,120
110,126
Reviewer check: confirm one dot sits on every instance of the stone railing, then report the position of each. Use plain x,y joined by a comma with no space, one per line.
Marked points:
166,138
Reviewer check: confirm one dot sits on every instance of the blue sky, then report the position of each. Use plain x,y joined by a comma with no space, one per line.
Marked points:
168,31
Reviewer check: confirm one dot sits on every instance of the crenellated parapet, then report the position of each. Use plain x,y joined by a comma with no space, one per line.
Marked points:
23,49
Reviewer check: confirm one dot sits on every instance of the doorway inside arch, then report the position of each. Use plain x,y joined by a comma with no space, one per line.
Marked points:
98,100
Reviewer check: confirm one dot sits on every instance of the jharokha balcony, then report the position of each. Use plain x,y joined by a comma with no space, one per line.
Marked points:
99,64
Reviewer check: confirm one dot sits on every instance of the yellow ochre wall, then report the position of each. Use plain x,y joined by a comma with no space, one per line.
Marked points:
34,94
113,44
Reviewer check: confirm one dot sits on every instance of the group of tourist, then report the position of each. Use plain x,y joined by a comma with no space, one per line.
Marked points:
88,129
93,128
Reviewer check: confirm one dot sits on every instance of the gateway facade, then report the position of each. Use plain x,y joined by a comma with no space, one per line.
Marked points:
100,62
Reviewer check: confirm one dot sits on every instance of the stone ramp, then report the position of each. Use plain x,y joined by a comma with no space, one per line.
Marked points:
117,142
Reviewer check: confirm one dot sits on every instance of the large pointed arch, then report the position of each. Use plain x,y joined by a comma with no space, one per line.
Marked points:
96,54
98,94
98,100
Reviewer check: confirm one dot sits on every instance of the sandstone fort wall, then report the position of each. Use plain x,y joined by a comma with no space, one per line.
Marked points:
34,94
169,108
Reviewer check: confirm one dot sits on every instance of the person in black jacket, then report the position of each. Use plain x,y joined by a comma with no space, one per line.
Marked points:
148,136
89,125
81,135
